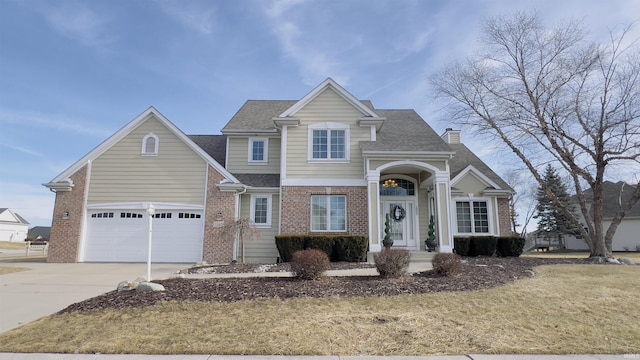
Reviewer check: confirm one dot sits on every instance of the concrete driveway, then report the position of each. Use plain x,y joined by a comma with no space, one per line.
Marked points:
47,288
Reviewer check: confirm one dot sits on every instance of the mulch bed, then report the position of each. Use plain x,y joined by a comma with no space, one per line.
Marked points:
477,274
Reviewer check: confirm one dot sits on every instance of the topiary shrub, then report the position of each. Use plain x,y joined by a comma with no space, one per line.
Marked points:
309,264
392,263
510,246
446,264
461,246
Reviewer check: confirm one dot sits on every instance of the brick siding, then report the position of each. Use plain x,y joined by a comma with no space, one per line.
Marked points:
296,208
504,217
64,241
217,245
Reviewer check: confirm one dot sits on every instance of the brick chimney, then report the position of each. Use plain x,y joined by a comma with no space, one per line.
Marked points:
451,136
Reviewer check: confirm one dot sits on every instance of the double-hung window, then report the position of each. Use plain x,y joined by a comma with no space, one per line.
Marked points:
328,213
258,150
261,210
329,142
472,217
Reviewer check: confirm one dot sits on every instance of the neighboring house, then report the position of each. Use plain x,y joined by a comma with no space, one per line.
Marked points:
39,233
13,227
317,165
627,236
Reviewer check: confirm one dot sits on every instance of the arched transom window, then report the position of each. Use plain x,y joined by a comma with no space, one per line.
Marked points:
397,187
150,145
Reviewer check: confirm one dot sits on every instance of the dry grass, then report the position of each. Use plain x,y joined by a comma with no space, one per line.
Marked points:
635,256
566,309
6,245
9,270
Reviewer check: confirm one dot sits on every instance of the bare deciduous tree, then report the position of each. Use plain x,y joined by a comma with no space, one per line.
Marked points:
550,94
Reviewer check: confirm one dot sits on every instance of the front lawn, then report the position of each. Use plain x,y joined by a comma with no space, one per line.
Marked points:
565,309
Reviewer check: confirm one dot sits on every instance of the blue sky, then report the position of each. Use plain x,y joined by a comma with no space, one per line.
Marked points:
74,72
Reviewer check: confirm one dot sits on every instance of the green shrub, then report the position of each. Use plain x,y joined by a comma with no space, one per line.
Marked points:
510,246
483,246
323,243
351,248
289,244
461,246
392,263
309,264
446,264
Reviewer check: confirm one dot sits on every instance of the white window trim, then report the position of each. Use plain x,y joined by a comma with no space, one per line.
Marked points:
266,151
253,209
144,145
488,202
328,126
346,215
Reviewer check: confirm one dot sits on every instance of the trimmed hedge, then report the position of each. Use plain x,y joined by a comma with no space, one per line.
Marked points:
510,246
351,248
488,246
461,246
484,245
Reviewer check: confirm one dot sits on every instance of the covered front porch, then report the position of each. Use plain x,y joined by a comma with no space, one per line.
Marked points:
410,192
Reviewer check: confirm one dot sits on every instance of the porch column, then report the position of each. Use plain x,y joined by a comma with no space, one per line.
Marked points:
444,224
373,198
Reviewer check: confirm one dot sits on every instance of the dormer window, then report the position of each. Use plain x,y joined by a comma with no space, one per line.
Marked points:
150,145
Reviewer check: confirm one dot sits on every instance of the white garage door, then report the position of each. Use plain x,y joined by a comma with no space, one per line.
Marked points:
123,235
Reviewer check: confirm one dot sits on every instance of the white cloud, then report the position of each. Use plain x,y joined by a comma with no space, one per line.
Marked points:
22,150
75,20
34,119
279,7
190,15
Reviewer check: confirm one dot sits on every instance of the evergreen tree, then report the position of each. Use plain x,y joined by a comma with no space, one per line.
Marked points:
552,221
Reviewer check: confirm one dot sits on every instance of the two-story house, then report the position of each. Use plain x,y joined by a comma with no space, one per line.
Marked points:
327,164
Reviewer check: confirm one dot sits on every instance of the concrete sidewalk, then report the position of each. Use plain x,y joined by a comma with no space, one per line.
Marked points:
7,356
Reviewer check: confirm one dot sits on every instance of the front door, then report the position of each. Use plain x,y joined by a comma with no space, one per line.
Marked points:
402,225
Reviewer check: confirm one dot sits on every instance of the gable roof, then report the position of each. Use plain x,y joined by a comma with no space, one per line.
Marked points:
17,218
214,145
464,158
128,128
257,116
404,130
342,92
43,231
612,193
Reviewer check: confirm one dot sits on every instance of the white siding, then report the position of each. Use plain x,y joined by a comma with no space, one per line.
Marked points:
176,175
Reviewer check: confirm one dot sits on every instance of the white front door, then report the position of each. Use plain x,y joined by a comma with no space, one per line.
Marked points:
402,222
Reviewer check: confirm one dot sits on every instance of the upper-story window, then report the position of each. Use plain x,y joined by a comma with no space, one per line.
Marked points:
329,142
150,145
258,150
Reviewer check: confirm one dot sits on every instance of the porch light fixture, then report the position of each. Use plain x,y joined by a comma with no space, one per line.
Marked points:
65,214
390,183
